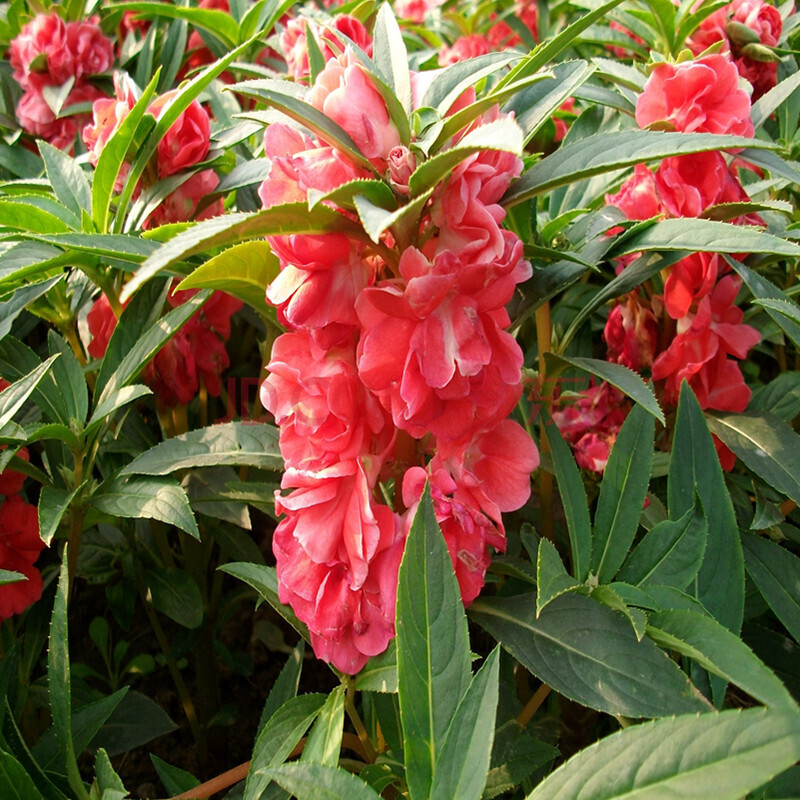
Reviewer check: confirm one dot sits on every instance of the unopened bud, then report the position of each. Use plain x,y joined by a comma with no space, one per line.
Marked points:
741,34
759,52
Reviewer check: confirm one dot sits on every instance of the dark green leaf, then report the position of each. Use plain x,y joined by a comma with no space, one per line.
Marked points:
319,782
716,649
147,498
53,504
552,578
15,784
590,654
174,779
433,667
285,686
695,758
16,303
67,178
464,757
776,573
174,594
380,672
14,396
231,443
670,554
114,402
218,23
68,375
622,494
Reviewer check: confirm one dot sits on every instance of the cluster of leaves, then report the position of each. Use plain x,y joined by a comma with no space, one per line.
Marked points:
685,613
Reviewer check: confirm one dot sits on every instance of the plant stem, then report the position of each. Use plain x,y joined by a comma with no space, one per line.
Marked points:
350,707
539,696
544,334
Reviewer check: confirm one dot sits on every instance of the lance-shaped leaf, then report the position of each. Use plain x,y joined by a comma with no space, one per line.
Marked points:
464,758
278,738
69,377
7,576
723,756
53,504
618,375
174,594
325,738
320,782
716,649
589,653
776,573
552,578
611,151
15,783
622,494
21,216
14,303
147,498
127,251
230,443
763,290
13,396
694,468
391,56
671,553
377,220
432,647
67,178
237,227
380,672
573,499
767,445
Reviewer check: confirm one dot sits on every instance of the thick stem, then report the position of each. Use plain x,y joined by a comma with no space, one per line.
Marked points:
533,705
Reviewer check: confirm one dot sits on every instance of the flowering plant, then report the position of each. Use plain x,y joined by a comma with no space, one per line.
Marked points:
444,334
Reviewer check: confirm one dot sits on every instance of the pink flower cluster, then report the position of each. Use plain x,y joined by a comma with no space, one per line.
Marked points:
750,52
194,355
185,144
396,365
50,54
20,543
706,334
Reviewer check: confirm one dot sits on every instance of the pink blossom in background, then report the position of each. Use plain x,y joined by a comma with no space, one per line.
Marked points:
701,96
465,47
181,204
187,140
102,323
631,333
92,52
690,280
20,545
638,197
415,10
108,113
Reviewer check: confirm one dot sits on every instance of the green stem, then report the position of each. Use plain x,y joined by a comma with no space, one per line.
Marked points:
366,742
544,333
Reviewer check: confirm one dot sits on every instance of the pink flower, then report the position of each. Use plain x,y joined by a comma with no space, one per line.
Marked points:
181,204
631,333
689,281
186,143
20,546
690,184
415,10
91,51
45,35
466,530
402,163
324,413
321,276
638,198
298,164
698,352
696,96
294,44
38,119
464,48
344,91
760,17
435,351
108,113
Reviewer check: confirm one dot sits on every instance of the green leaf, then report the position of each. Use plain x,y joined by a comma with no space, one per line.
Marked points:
67,178
390,55
58,681
150,342
590,654
147,498
320,782
265,581
376,220
237,227
612,151
114,402
776,573
69,377
244,271
53,504
766,444
325,738
112,156
14,396
127,250
380,672
717,650
721,755
231,443
780,397
7,576
218,23
706,235
174,779
278,738
16,303
694,468
285,686
15,783
20,216
573,500
173,593
622,493
108,782
552,578
671,552
626,380
762,290
503,134
433,667
464,757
